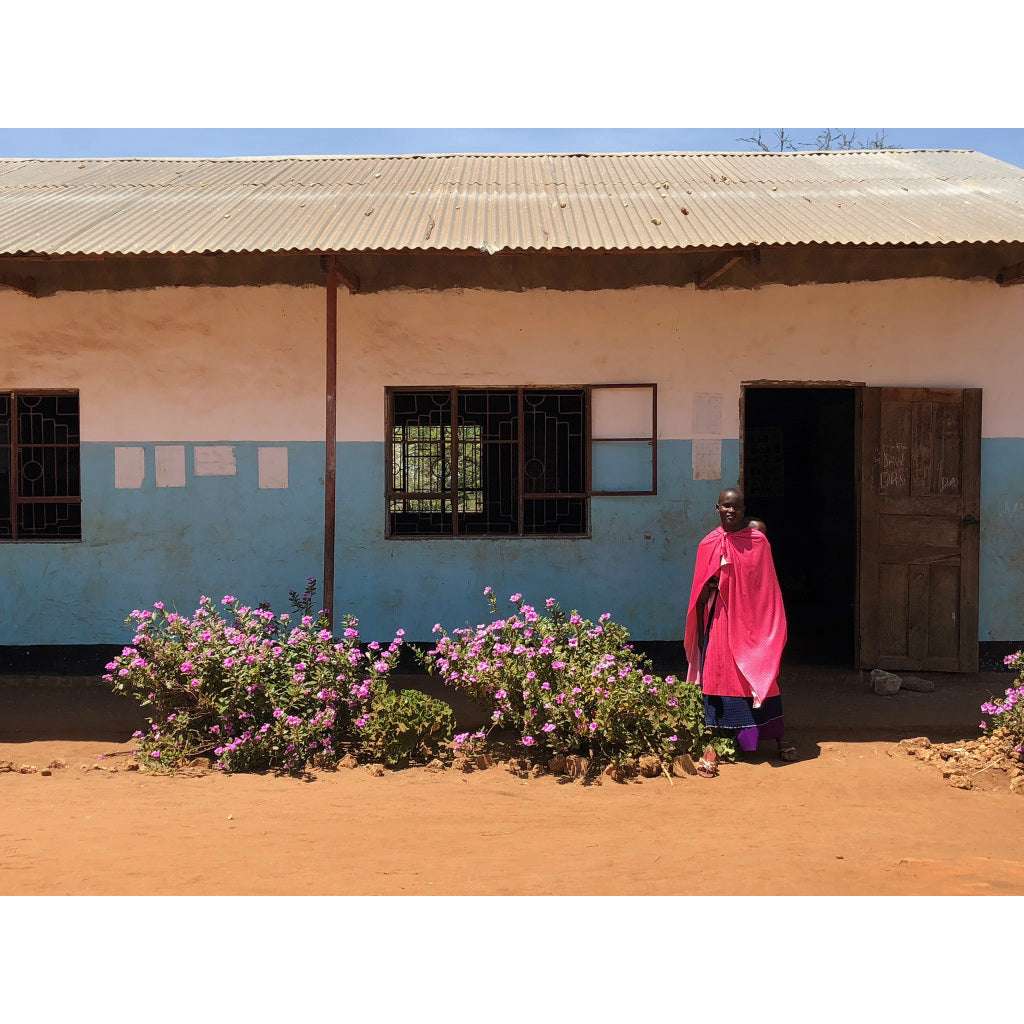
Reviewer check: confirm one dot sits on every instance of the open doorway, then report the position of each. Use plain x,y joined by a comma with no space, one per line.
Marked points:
799,472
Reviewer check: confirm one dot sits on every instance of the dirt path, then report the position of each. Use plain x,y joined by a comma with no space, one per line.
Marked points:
853,818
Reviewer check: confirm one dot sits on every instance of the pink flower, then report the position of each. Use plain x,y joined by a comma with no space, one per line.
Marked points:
528,741
515,599
550,727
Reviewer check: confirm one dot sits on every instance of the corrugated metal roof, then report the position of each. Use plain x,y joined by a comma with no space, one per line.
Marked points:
518,202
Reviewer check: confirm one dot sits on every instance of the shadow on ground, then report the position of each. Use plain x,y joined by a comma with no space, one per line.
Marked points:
822,703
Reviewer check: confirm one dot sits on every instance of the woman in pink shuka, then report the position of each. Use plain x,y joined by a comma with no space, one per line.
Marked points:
735,633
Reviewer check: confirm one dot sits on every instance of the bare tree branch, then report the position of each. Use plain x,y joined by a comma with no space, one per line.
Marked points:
828,139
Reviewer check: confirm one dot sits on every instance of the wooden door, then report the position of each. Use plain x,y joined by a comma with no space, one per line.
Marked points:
920,503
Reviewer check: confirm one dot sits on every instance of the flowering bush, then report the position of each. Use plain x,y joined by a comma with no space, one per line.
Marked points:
1006,713
257,691
567,685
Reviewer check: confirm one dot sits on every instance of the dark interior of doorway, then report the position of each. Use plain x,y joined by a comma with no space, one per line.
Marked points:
799,474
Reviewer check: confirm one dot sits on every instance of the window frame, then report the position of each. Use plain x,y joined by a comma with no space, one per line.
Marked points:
651,439
13,448
452,494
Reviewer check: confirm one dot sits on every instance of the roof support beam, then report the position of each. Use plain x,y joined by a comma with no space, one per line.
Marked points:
349,278
706,278
18,282
1011,275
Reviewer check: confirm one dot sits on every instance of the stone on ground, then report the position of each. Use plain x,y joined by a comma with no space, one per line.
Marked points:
885,684
918,684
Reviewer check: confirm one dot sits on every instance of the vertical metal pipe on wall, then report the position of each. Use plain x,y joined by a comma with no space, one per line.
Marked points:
331,438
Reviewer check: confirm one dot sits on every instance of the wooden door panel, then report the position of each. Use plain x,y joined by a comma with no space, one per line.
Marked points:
935,445
935,531
918,617
943,602
893,593
920,499
917,620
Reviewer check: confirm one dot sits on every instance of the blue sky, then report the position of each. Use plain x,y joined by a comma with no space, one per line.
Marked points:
1003,143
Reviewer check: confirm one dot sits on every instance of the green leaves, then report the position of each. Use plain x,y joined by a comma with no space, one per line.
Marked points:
256,692
569,686
406,726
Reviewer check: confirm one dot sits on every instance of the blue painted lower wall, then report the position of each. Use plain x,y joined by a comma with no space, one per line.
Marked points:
225,535
1002,539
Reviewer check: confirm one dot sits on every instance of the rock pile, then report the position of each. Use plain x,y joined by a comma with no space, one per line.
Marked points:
963,763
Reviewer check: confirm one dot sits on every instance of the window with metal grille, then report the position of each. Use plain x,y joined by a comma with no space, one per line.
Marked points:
40,476
496,461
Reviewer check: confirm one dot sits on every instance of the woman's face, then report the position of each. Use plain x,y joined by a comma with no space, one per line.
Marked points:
730,510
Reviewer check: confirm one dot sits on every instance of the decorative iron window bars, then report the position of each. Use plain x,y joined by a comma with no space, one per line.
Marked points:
497,461
40,471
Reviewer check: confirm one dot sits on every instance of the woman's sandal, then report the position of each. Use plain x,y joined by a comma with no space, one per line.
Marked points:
707,766
787,752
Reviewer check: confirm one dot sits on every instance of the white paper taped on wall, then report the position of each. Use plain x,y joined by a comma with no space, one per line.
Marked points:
707,413
170,465
707,460
129,467
215,460
273,466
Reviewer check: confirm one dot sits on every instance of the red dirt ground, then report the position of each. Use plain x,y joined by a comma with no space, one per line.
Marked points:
856,816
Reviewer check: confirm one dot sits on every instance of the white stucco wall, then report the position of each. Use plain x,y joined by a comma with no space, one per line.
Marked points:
228,364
